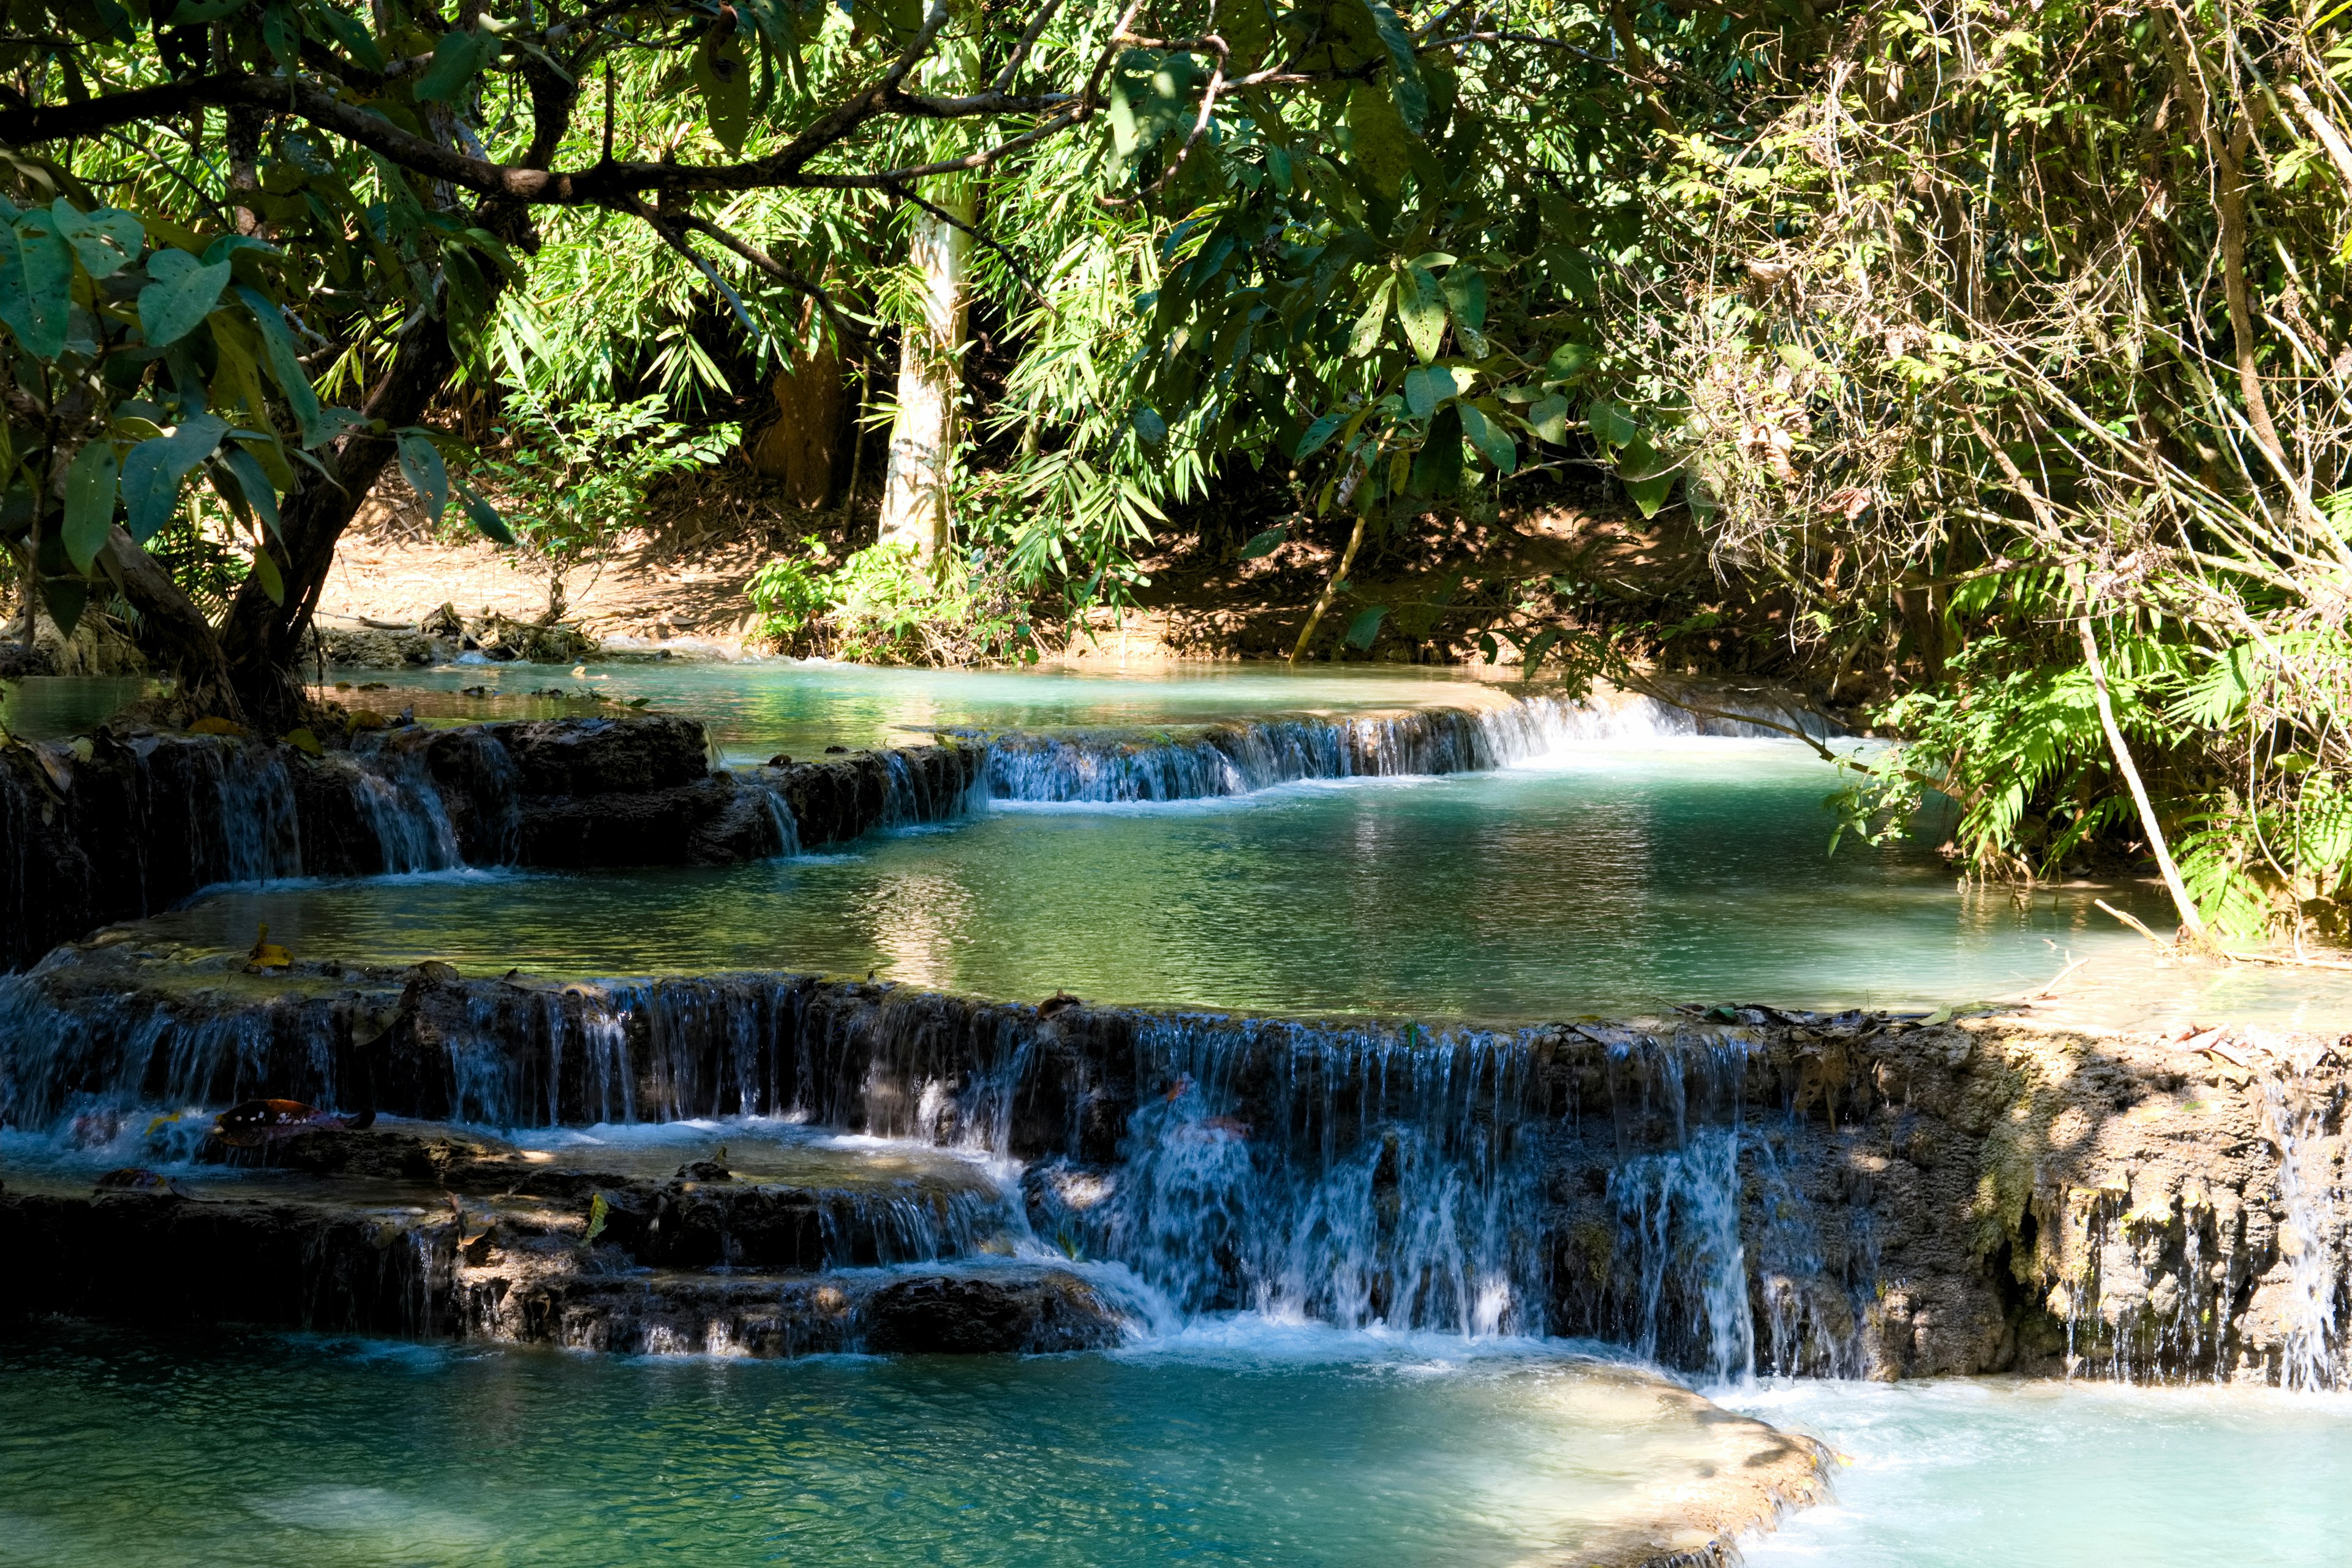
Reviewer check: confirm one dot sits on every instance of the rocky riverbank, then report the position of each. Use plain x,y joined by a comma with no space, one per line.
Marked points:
126,822
1858,1194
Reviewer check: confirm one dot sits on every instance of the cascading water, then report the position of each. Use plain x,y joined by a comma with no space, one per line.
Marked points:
1338,1175
404,807
1244,757
2311,1233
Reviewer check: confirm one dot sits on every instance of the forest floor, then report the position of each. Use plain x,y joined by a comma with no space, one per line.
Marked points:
684,574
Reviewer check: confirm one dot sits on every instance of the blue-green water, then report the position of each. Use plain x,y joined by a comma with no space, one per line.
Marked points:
1611,876
1279,1446
1965,1474
756,708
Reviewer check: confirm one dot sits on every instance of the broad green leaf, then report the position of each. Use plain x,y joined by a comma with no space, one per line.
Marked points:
1532,656
1267,542
1366,627
1421,311
458,58
357,41
65,598
1427,386
1437,466
196,12
420,465
1404,69
1493,444
90,502
1648,478
724,76
1317,435
1549,419
105,241
285,364
1149,429
252,484
266,573
1567,362
153,469
1378,135
1612,426
1466,295
37,269
1365,339
484,516
181,292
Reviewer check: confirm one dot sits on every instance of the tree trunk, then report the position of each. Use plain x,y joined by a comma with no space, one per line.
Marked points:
803,445
923,437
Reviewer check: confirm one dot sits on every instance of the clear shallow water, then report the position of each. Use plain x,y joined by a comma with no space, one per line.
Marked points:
1612,876
1252,1447
45,707
1962,1475
756,708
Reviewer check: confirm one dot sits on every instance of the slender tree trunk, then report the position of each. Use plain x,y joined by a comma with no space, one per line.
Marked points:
2190,919
923,437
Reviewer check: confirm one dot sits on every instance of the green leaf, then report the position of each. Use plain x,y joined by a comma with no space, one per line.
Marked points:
153,469
104,242
1267,543
484,516
1378,139
37,269
285,364
1647,478
90,502
1567,362
420,465
65,598
1427,386
181,291
266,573
1437,466
1531,659
253,484
1149,429
458,59
1612,426
1421,309
357,41
1366,627
724,76
1317,435
1466,295
1493,444
1549,419
1365,340
1404,67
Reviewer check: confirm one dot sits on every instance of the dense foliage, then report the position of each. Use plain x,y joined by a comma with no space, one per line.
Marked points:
1996,354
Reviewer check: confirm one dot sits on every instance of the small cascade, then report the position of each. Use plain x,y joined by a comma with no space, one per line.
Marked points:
1219,760
1678,1214
2311,1237
401,800
1349,1176
780,815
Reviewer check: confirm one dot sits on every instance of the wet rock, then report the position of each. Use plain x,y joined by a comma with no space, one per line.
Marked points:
581,757
977,1315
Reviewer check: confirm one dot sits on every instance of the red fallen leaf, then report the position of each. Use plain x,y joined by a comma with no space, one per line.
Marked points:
258,1121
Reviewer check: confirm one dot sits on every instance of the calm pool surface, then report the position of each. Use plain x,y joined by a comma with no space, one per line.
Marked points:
1295,1448
1610,876
2039,1475
756,708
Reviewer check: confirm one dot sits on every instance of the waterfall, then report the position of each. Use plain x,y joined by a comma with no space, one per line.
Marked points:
2309,1235
1242,757
403,805
1679,1214
1349,1176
